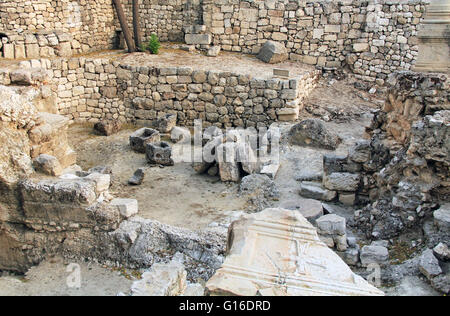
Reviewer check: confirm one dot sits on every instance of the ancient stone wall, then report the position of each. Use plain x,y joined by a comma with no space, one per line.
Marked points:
92,89
374,38
46,27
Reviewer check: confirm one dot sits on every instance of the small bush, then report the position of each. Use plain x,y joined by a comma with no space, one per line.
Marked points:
154,45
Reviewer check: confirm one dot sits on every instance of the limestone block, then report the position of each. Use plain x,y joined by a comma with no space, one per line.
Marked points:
198,39
279,251
126,207
273,52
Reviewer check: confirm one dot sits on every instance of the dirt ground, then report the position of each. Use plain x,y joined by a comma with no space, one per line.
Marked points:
51,277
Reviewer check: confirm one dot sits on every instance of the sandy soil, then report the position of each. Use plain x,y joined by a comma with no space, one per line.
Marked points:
50,279
172,195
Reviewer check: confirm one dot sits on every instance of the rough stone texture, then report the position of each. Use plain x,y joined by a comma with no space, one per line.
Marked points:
159,153
138,177
166,123
273,53
442,218
107,128
314,190
374,255
313,132
429,265
286,247
48,165
260,190
442,252
162,280
142,137
342,181
126,207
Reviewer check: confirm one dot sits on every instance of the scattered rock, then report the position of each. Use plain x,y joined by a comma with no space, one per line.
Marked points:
108,127
442,252
342,181
429,265
271,169
273,52
309,208
314,133
261,191
213,51
162,280
442,218
180,135
48,165
126,207
142,137
333,227
159,153
195,289
314,190
166,123
374,255
441,283
138,177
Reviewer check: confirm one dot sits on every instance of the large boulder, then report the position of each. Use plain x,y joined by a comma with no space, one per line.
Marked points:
313,133
273,52
107,127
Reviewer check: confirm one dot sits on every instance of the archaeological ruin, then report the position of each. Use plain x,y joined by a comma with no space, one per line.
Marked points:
225,147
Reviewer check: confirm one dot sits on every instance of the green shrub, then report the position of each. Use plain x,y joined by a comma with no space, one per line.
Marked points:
154,45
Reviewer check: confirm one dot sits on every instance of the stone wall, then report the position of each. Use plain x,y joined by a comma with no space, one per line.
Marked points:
92,89
85,26
374,38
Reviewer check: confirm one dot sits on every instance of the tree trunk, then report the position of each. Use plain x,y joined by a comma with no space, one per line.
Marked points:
124,26
136,24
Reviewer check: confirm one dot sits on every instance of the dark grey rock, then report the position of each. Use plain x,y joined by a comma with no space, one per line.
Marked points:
138,177
159,153
313,133
143,136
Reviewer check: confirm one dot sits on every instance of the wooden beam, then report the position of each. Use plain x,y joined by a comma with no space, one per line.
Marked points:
136,24
124,26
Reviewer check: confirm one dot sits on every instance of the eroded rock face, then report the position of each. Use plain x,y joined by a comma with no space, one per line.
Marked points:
108,127
314,133
278,251
273,52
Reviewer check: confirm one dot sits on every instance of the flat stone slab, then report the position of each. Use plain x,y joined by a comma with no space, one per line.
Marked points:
278,251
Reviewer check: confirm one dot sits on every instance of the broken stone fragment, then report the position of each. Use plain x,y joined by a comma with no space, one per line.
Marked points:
108,127
342,181
279,249
226,156
309,208
48,165
429,265
273,52
313,133
271,169
360,152
102,181
138,177
442,218
166,123
213,51
159,153
126,207
441,283
314,190
442,252
180,135
143,136
332,224
374,255
163,279
195,289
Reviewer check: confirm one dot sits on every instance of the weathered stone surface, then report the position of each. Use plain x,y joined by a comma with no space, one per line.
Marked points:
142,137
48,165
314,133
310,209
342,181
180,135
314,190
260,191
271,169
166,123
198,39
441,283
273,52
159,153
126,207
108,127
228,165
374,255
195,289
213,51
162,280
332,224
279,249
138,177
429,265
442,252
442,218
